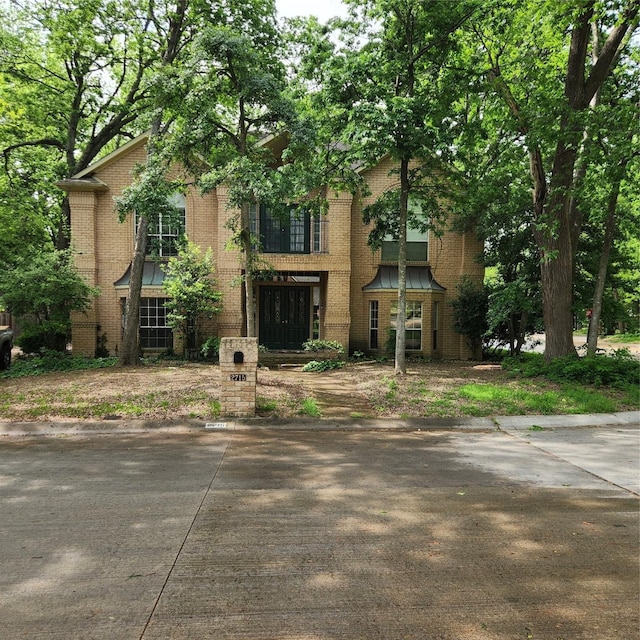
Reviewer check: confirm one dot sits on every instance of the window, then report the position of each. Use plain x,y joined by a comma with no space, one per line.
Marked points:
373,324
417,241
163,234
413,324
319,234
298,232
154,332
435,319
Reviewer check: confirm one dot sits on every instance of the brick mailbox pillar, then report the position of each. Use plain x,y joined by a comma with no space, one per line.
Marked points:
238,373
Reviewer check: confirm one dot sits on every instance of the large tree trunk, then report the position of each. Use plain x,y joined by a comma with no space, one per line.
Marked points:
557,304
401,334
247,249
129,351
554,239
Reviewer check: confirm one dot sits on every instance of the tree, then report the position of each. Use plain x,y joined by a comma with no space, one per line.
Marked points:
191,290
389,79
42,291
538,64
470,314
82,77
148,197
233,93
73,73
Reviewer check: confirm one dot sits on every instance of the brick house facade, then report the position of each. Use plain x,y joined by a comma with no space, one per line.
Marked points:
329,283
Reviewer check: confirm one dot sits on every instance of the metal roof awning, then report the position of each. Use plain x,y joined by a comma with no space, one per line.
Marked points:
152,276
418,278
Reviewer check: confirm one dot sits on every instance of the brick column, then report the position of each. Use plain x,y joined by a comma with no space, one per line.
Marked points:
83,234
337,315
238,376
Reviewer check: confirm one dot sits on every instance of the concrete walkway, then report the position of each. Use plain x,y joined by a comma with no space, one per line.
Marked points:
315,531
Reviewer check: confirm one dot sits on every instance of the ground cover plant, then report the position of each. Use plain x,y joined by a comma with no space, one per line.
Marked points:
63,387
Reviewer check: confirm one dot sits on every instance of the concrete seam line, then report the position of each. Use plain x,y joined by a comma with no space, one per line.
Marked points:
184,541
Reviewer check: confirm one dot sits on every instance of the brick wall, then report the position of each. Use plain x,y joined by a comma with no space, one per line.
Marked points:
105,246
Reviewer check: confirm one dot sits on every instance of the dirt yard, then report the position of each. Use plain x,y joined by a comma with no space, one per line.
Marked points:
192,391
179,391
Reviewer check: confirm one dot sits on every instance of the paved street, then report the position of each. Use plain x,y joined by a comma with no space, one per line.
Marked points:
527,531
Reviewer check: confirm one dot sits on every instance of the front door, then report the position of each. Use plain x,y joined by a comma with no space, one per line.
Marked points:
284,317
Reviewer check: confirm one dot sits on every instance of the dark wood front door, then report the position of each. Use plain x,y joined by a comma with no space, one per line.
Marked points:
284,317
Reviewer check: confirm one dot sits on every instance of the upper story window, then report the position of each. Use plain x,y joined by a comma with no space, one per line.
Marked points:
163,234
296,232
417,241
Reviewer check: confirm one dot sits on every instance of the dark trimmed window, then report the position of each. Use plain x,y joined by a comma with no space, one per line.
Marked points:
296,232
154,332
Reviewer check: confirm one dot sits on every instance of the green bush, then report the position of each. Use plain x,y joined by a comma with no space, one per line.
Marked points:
46,336
49,361
323,365
324,345
210,347
619,369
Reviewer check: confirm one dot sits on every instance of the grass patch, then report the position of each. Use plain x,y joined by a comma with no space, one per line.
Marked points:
488,399
310,408
265,404
628,338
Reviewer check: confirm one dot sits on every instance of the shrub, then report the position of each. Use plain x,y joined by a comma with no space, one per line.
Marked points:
50,360
310,408
470,310
101,347
323,365
36,338
619,369
316,346
210,347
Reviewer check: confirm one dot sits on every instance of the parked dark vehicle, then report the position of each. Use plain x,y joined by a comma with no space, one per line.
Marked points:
6,344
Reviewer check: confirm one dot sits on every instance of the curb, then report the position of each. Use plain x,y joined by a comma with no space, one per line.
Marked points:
124,427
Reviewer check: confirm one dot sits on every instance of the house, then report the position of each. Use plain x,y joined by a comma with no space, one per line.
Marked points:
328,283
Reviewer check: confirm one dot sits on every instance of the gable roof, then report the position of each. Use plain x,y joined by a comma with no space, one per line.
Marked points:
112,157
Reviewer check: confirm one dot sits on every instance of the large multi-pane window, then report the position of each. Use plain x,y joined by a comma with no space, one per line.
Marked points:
296,232
413,324
164,233
417,241
154,332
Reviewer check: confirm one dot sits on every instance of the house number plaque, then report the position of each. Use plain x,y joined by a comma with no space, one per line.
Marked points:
238,377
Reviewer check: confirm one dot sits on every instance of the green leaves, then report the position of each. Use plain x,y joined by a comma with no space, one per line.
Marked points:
191,289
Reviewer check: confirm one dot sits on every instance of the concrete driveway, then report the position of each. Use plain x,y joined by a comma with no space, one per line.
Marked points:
314,534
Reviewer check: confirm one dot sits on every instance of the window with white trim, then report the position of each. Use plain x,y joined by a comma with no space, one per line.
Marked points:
435,320
413,324
417,241
373,324
163,234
